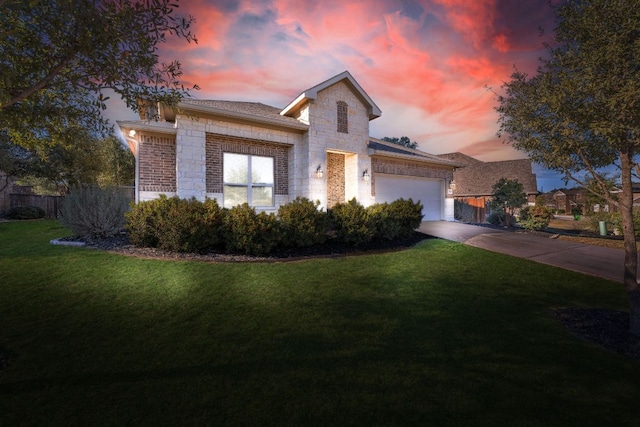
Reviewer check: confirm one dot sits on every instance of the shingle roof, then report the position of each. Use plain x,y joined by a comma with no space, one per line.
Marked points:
478,178
245,110
378,146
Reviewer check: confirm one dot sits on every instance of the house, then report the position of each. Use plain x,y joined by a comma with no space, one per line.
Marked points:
318,147
565,200
473,183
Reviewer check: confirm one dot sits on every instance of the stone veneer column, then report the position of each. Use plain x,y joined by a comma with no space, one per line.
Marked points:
191,160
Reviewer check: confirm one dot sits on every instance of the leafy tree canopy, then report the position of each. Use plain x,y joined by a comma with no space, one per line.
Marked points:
403,140
57,57
55,169
508,195
581,111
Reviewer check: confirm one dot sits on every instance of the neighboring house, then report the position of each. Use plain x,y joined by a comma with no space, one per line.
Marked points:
565,200
473,183
317,147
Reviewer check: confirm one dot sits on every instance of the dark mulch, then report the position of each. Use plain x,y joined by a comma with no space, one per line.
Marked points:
120,244
608,329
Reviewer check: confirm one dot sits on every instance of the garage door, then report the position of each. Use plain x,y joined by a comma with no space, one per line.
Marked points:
429,191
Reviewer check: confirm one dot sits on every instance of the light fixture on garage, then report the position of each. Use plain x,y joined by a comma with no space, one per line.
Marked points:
365,175
319,172
132,133
452,185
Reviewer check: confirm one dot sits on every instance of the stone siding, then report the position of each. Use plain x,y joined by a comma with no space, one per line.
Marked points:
323,137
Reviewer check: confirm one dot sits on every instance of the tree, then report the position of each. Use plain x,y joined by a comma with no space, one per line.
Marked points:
55,169
594,197
57,57
581,111
508,195
403,140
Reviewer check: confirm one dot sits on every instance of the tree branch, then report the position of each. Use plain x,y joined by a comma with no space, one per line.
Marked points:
41,84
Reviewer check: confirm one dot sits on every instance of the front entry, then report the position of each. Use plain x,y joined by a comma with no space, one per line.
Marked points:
335,179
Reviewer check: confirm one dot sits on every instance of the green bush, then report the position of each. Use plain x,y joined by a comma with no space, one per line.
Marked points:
190,225
176,224
302,224
394,220
498,218
383,225
613,222
534,218
406,213
142,222
26,212
351,223
249,232
94,212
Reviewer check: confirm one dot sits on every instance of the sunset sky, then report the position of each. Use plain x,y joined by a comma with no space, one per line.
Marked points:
426,63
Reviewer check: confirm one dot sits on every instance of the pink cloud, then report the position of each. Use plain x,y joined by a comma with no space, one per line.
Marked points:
431,58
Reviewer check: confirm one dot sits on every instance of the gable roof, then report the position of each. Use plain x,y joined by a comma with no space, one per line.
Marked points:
345,76
460,158
478,178
389,149
251,111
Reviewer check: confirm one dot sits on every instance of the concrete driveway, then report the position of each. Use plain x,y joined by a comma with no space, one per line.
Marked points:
594,260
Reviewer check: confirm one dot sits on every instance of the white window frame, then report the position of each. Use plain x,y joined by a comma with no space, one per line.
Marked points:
249,185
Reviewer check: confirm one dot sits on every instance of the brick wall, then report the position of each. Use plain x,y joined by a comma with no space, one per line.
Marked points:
217,144
157,163
335,179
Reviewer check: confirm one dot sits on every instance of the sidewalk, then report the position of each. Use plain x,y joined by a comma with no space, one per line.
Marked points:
593,260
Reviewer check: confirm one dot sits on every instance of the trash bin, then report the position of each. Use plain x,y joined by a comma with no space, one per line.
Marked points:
603,228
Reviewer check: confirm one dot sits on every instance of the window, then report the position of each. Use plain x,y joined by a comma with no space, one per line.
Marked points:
343,121
247,179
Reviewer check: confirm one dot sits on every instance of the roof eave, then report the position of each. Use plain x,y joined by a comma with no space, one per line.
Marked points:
242,116
143,126
312,93
414,158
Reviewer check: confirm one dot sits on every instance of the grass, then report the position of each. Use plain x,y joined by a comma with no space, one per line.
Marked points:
442,334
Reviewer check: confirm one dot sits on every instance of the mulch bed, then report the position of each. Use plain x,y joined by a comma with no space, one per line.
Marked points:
120,244
608,329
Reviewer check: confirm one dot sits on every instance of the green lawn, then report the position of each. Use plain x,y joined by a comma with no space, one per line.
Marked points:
442,334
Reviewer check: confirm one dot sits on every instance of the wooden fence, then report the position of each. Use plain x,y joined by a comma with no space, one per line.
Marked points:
51,204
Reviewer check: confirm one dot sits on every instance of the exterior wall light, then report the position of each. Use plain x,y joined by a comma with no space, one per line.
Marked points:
365,175
319,172
132,133
452,185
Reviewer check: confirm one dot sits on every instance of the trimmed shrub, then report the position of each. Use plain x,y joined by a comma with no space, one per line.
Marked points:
94,212
302,224
190,225
534,218
142,222
383,225
394,220
176,224
26,212
408,214
249,232
351,223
